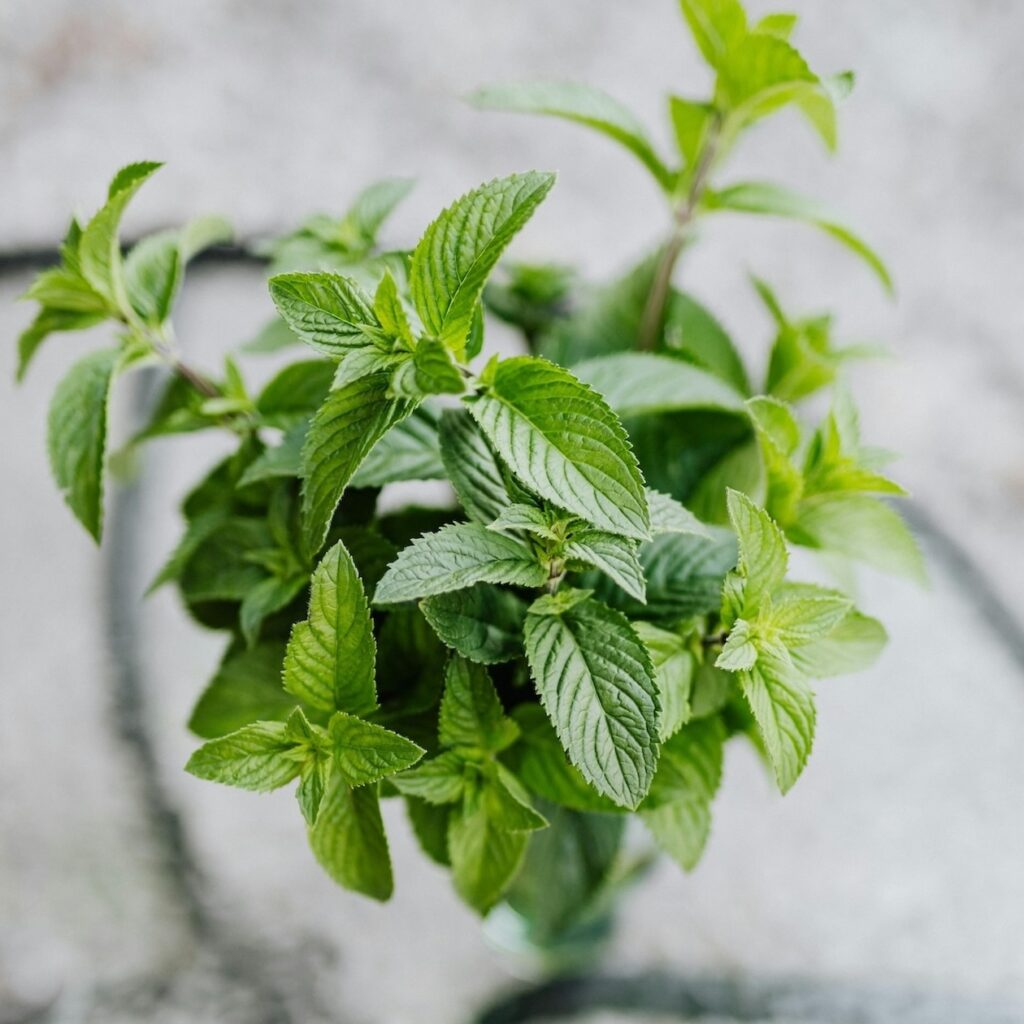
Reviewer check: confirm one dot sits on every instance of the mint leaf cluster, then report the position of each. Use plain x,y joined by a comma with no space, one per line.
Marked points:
605,599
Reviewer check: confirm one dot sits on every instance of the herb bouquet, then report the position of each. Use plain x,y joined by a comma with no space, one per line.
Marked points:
604,604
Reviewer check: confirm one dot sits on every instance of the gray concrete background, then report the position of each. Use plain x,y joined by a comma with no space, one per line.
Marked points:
897,858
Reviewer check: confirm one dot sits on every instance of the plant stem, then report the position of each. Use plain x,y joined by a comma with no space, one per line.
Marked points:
683,213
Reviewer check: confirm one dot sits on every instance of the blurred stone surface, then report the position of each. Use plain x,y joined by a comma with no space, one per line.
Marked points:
896,858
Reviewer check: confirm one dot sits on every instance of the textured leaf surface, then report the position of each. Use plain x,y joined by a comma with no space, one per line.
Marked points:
582,104
762,550
673,672
349,841
410,450
441,780
596,682
258,757
76,435
471,711
461,247
99,251
454,557
365,752
482,623
343,432
684,576
670,516
472,467
783,707
615,556
330,658
331,314
563,442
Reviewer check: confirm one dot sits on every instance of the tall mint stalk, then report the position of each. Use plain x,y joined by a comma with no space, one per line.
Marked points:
606,600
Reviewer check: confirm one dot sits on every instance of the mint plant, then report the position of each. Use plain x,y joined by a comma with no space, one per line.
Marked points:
605,602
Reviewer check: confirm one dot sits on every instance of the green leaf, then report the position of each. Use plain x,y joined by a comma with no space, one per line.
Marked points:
615,556
330,658
63,290
283,460
778,437
313,782
374,205
802,613
47,322
458,556
669,516
569,867
460,248
673,672
436,371
343,432
740,650
761,74
268,596
387,304
484,856
273,336
77,435
220,567
852,646
762,552
596,682
430,826
152,272
331,314
539,760
441,780
508,803
690,121
765,198
783,707
583,104
608,319
472,467
678,809
692,333
410,450
635,383
684,576
526,519
365,753
482,623
862,528
245,689
99,249
292,395
154,268
780,25
563,442
201,233
471,712
258,757
349,842
718,26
